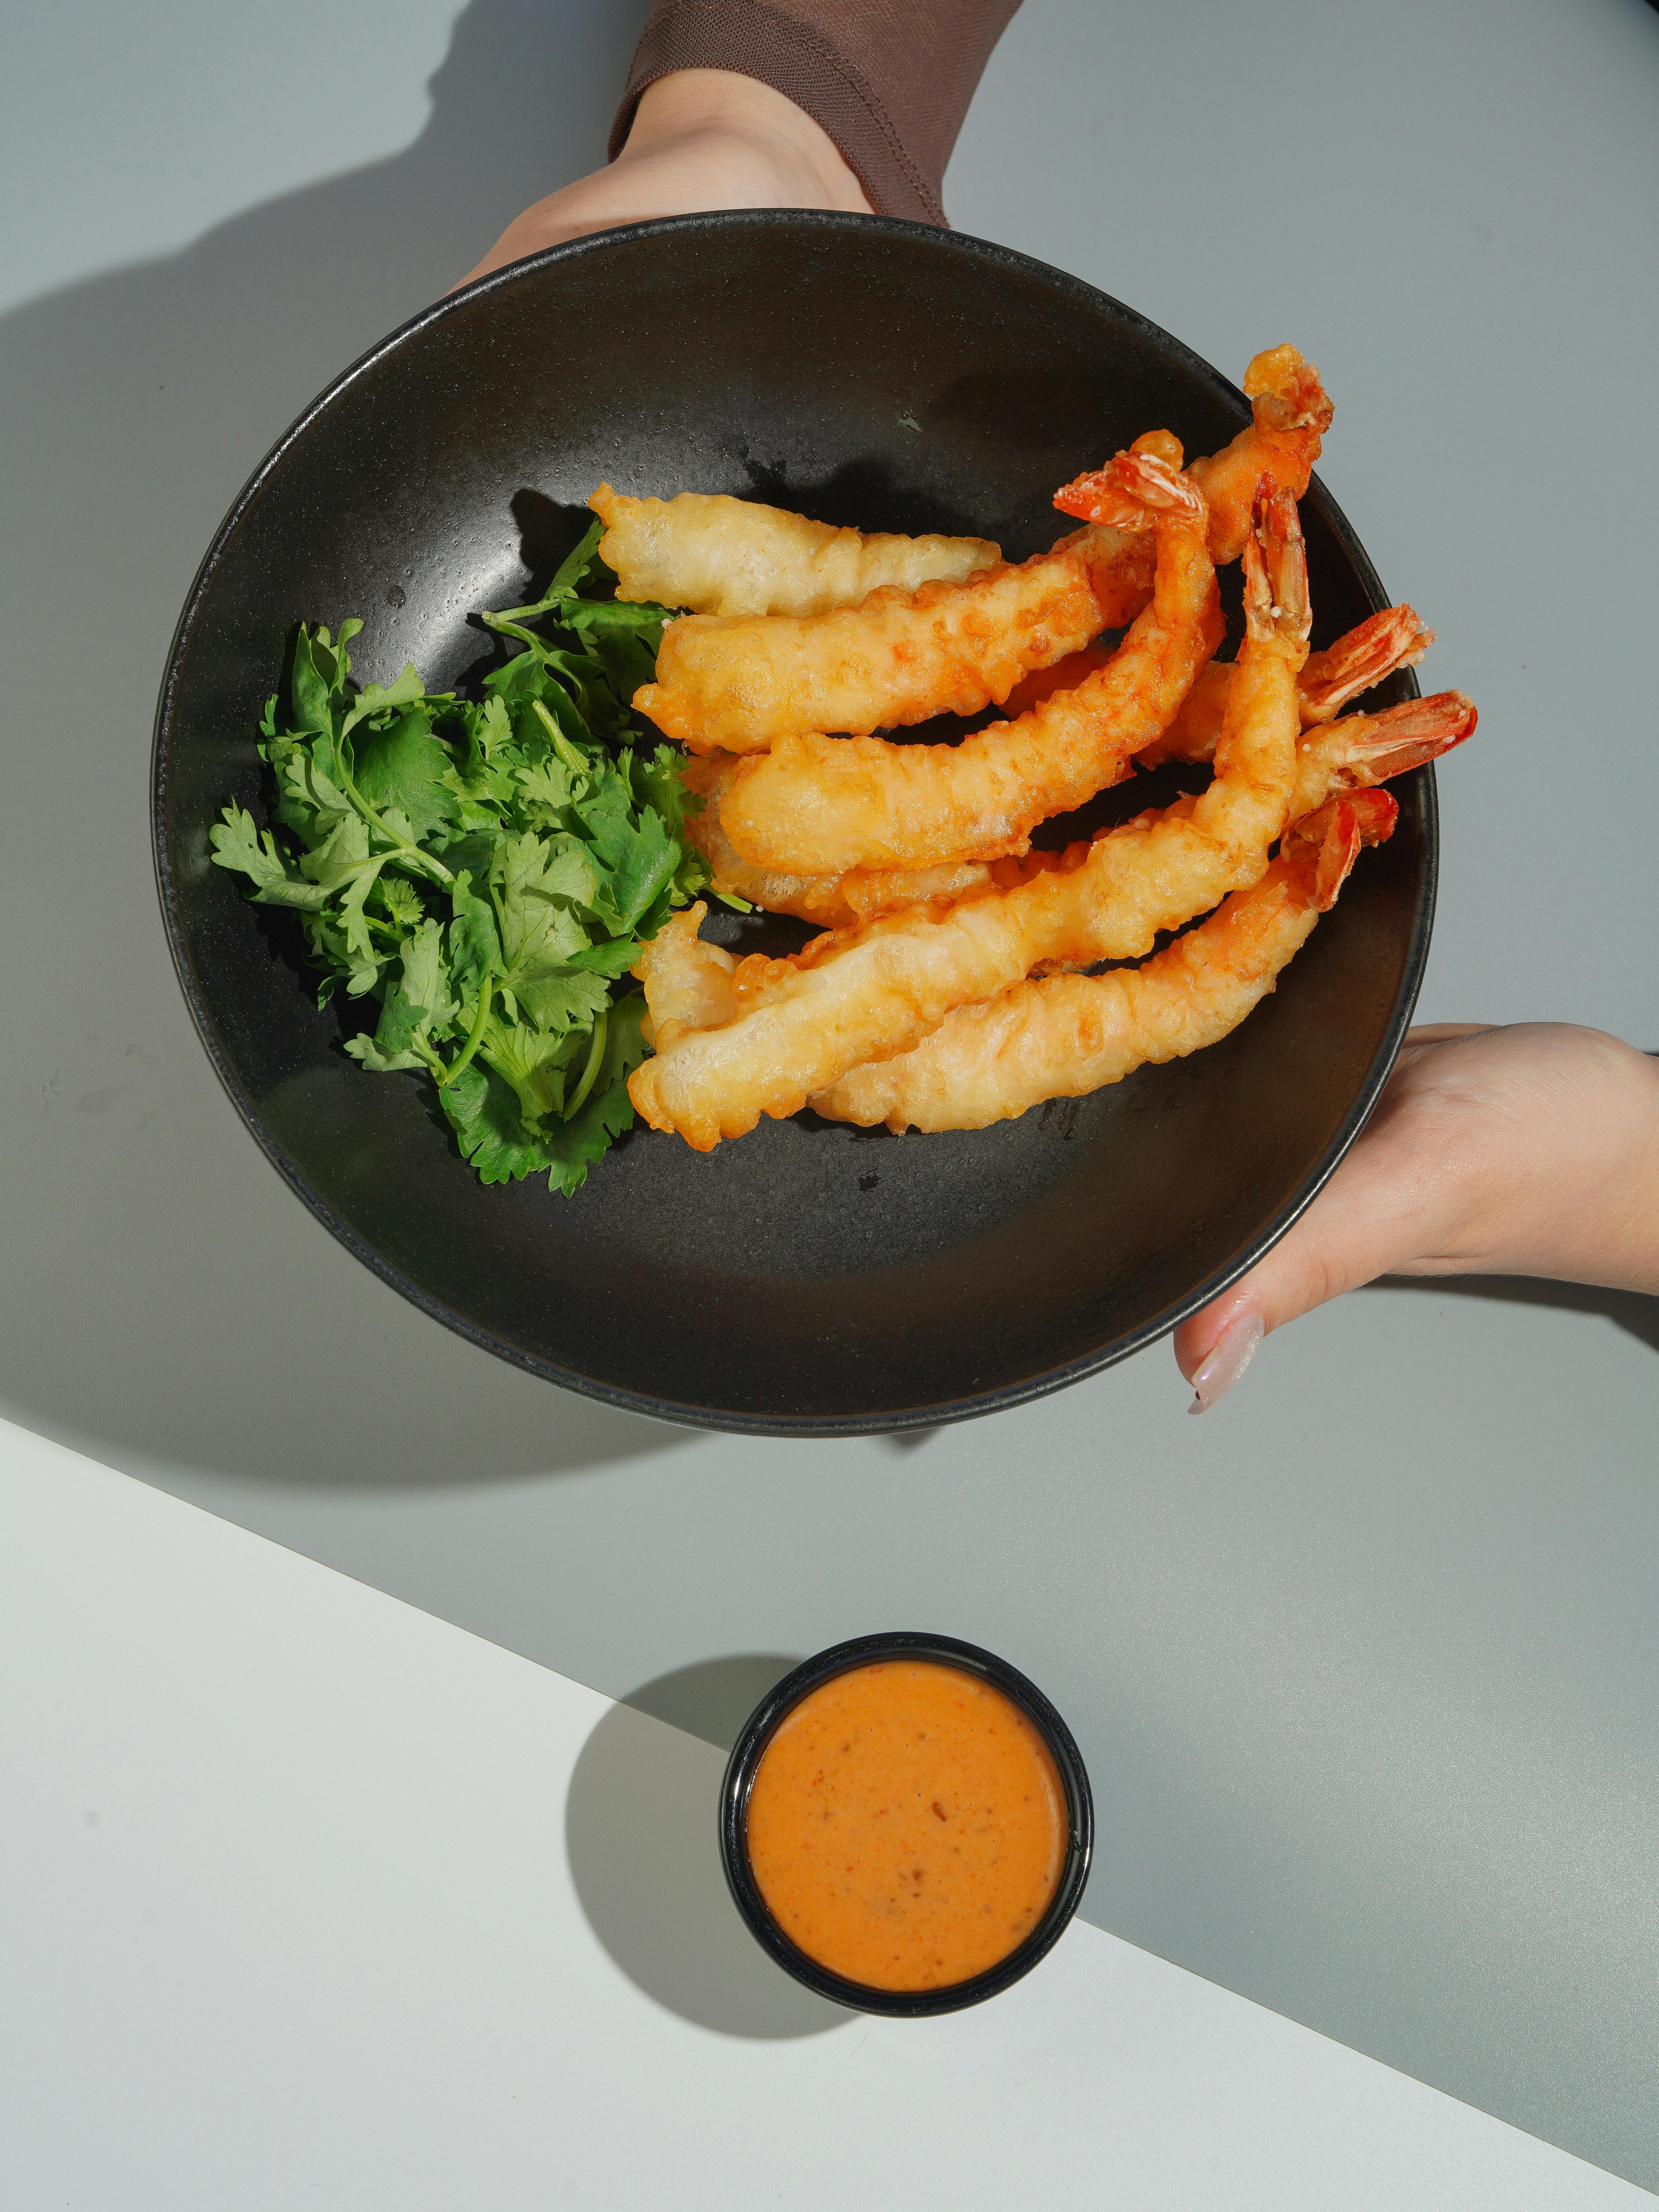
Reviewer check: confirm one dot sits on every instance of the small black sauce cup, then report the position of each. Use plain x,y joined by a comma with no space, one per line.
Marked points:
758,1731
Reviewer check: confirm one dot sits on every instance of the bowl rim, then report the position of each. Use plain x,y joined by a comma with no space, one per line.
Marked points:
740,1421
738,1779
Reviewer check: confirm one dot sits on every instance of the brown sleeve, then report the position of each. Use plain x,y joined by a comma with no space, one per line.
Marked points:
888,80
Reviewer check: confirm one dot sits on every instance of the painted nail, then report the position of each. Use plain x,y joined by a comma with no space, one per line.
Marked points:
1230,1355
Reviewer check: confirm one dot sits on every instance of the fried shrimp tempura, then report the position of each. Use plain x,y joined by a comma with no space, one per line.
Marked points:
834,804
719,556
1349,755
1359,750
860,995
1066,1036
712,554
690,981
833,902
736,682
1290,415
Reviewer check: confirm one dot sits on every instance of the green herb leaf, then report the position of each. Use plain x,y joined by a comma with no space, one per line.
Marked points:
489,868
238,844
402,765
483,1111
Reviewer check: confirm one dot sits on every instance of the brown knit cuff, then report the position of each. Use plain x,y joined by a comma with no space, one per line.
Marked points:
770,47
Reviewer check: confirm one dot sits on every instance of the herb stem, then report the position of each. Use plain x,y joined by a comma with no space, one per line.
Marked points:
475,1036
561,744
595,1055
514,619
404,852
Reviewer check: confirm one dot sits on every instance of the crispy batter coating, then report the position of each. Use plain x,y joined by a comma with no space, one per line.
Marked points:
983,1063
1290,414
689,983
737,683
719,556
834,804
833,902
1066,1036
1063,1037
865,994
1349,755
715,555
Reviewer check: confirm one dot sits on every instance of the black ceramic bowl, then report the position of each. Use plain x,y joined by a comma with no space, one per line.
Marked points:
811,1279
758,1732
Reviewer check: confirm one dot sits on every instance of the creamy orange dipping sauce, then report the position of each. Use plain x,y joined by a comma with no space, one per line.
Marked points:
907,1826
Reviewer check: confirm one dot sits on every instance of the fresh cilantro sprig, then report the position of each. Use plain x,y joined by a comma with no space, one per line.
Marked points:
487,869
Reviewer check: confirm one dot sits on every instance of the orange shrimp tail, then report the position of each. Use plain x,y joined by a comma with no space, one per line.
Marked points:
1082,495
1394,639
1132,491
1332,838
1276,567
1285,392
1400,738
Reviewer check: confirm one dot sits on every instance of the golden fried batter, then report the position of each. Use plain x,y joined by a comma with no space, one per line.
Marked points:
833,902
736,682
719,556
1066,1036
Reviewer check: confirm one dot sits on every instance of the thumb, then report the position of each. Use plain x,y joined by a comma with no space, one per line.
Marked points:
1384,1207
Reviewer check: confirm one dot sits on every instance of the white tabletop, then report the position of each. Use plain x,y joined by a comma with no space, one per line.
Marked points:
316,1900
1365,1664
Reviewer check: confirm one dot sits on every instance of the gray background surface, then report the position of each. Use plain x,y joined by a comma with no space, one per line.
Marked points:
1366,1663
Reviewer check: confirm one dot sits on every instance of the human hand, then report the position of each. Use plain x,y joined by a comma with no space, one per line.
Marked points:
1530,1151
700,139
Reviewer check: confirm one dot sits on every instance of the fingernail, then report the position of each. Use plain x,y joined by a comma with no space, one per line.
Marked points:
1230,1354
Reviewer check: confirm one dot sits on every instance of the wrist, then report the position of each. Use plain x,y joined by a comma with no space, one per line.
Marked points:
701,105
1550,1167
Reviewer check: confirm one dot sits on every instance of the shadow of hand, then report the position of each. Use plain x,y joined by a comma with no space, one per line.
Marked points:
167,1300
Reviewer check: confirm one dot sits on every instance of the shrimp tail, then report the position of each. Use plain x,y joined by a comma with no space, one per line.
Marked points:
1133,489
1275,556
1329,841
1359,750
1400,738
1394,639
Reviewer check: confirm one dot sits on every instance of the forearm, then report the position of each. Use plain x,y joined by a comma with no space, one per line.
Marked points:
888,82
833,104
700,139
702,113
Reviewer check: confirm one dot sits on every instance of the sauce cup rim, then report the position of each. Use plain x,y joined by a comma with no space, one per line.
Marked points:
756,1734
